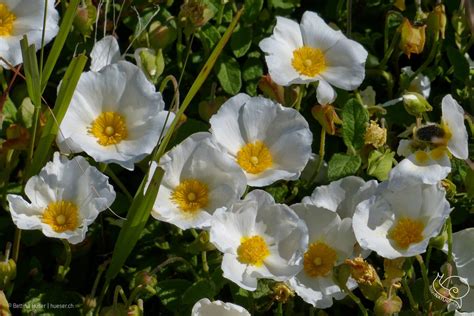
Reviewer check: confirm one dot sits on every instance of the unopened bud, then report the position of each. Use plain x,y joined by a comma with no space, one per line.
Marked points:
438,242
326,116
89,303
437,22
412,38
416,104
161,35
151,62
85,18
385,306
4,305
282,292
7,272
194,14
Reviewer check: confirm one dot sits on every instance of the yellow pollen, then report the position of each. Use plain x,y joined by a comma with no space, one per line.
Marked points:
308,61
7,18
422,156
254,157
61,216
109,128
252,250
319,259
438,152
191,195
406,231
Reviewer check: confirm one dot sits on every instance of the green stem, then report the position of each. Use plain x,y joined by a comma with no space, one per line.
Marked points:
205,266
413,304
16,244
322,145
420,69
424,275
450,239
349,18
390,50
119,183
64,269
356,300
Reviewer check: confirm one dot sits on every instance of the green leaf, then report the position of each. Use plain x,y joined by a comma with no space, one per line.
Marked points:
170,292
228,73
200,289
241,40
209,35
30,64
59,41
459,62
342,165
252,69
252,10
65,93
10,111
354,120
469,182
27,109
380,164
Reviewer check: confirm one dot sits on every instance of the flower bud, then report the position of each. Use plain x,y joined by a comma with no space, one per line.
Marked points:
152,63
161,35
272,90
4,306
412,38
84,20
415,104
209,108
193,15
282,292
89,303
135,310
114,310
7,272
326,116
385,306
437,22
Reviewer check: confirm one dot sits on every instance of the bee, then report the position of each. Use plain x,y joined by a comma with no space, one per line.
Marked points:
431,133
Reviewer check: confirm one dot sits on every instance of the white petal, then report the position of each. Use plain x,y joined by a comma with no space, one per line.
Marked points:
453,116
316,33
325,93
204,307
105,52
279,58
24,215
236,272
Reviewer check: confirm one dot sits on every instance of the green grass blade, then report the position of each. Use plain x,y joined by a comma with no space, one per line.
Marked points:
58,44
50,130
30,66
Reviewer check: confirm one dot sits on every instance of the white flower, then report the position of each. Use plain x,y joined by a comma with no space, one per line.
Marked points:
400,223
66,197
313,51
331,241
426,166
259,239
463,257
24,17
452,122
105,52
198,179
268,141
204,307
420,84
115,116
432,164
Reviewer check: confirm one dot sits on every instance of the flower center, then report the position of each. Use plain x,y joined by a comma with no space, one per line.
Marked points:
308,61
109,128
191,195
319,259
6,20
61,216
254,157
252,250
406,231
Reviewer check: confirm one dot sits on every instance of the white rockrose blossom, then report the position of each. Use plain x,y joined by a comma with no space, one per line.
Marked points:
65,198
400,222
431,164
204,307
115,116
314,52
269,142
198,179
25,17
331,241
259,239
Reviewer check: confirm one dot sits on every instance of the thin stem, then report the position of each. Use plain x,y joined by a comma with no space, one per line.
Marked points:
450,239
205,266
97,278
119,183
64,269
356,300
420,69
390,50
413,304
16,245
424,275
349,18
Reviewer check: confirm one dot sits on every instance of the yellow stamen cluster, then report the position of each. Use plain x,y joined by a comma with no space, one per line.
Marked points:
109,128
191,195
406,231
319,259
7,18
61,216
254,157
375,135
252,250
308,61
